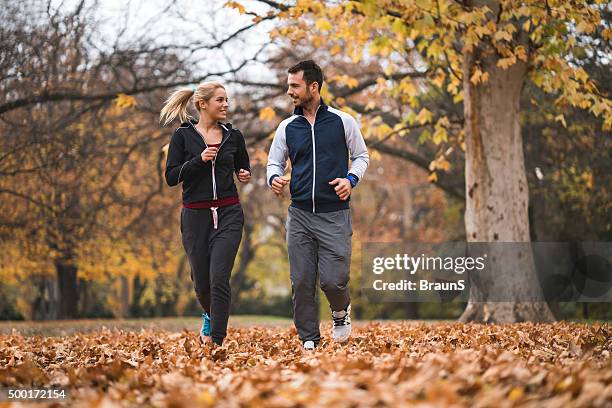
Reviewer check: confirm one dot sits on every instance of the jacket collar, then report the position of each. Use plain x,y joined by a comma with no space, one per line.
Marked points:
300,111
225,129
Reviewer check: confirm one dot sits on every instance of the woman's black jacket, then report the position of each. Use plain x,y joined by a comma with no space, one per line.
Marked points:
211,180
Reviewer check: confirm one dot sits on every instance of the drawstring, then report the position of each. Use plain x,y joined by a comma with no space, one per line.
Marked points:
215,217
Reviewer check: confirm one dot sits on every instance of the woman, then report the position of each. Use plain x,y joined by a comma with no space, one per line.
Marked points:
203,156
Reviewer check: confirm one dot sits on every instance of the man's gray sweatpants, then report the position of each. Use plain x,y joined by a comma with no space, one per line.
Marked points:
319,246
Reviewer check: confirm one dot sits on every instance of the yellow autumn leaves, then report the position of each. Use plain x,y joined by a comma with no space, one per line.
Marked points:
125,101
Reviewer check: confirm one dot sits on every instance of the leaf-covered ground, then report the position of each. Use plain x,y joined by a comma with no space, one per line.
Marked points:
384,364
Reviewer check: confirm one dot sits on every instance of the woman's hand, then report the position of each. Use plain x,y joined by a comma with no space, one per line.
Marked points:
244,176
209,154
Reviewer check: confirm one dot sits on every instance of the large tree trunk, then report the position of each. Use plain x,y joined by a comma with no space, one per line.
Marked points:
497,197
67,284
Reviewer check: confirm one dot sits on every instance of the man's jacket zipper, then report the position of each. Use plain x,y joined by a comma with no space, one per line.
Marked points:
314,156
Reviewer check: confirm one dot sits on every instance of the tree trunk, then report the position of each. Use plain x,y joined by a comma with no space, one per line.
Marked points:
44,306
84,298
138,288
497,195
67,284
125,297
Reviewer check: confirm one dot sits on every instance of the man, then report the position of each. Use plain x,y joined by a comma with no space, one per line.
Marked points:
319,140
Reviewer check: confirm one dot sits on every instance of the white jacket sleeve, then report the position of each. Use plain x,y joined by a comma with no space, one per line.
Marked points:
356,146
277,157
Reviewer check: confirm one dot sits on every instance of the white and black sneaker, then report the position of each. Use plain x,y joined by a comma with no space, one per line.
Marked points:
309,345
342,324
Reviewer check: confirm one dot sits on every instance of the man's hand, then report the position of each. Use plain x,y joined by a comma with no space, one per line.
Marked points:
278,184
244,176
209,154
343,187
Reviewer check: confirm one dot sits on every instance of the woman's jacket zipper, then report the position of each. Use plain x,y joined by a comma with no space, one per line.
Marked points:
214,182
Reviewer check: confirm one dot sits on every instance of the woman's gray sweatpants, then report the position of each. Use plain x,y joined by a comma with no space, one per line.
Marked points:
211,254
319,246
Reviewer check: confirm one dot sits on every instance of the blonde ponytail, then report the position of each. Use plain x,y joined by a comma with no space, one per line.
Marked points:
176,106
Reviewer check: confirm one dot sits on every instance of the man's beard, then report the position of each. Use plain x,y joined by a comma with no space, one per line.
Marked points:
306,101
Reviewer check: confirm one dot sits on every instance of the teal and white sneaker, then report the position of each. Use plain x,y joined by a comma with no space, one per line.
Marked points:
205,330
342,324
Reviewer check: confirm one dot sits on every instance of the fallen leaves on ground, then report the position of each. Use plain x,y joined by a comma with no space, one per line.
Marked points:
384,364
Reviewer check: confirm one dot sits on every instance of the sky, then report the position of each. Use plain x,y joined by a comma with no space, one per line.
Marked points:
185,21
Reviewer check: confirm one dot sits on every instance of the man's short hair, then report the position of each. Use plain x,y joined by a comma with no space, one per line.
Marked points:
312,72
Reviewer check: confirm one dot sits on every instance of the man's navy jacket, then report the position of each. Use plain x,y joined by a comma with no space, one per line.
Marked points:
319,153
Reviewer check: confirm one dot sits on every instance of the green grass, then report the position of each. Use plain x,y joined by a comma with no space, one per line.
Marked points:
174,324
69,327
